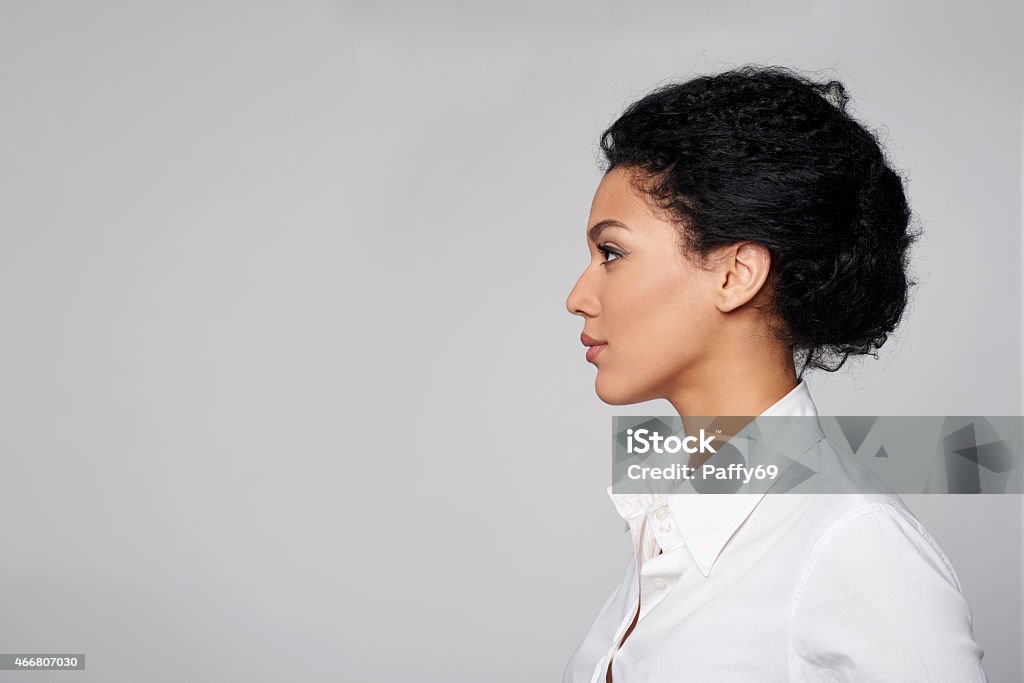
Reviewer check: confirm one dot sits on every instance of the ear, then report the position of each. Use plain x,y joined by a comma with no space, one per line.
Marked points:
742,269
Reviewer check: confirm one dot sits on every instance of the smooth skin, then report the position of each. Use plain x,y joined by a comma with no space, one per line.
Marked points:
696,336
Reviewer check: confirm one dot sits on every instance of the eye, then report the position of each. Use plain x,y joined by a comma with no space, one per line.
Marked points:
608,251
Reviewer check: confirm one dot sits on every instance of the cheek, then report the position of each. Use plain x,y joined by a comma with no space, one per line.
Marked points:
662,311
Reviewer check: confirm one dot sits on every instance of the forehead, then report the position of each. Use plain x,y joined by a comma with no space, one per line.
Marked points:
616,195
617,199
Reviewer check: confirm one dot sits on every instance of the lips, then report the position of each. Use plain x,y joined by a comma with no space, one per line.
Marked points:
593,351
595,346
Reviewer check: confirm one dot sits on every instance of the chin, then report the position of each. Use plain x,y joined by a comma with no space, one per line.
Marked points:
617,394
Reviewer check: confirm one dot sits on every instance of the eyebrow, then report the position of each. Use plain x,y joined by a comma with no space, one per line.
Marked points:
595,230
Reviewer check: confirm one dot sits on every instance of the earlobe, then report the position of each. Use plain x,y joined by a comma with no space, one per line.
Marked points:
730,300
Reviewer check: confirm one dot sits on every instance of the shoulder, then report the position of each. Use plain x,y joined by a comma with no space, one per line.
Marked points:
853,506
878,597
873,534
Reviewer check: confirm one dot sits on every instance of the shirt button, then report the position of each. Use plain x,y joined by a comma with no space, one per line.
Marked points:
658,584
661,513
665,527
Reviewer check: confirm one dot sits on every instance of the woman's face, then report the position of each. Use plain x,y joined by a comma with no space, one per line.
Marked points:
654,310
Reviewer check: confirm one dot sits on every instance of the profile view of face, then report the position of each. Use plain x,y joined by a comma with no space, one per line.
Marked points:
653,309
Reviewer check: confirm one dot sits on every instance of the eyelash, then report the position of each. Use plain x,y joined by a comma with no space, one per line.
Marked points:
608,250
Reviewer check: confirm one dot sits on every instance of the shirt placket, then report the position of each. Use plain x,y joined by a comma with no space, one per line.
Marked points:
650,529
659,573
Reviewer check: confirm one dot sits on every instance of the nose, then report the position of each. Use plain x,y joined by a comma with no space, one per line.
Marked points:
582,300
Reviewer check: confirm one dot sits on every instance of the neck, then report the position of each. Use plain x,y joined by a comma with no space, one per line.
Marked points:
734,396
739,381
731,400
726,398
728,390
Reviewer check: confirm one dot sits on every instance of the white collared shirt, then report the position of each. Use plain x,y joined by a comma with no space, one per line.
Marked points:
799,587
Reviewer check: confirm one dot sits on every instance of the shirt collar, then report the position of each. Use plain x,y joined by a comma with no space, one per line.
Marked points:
707,522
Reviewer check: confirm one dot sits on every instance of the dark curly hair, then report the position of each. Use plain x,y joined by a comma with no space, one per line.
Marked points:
763,154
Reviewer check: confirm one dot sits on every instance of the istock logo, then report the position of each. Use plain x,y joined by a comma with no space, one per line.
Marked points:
672,444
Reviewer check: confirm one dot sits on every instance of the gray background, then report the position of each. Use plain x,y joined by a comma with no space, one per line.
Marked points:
290,391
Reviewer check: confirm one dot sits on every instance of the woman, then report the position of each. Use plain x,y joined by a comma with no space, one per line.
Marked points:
746,220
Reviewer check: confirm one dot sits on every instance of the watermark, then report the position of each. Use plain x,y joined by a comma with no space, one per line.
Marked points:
681,472
818,454
652,441
38,662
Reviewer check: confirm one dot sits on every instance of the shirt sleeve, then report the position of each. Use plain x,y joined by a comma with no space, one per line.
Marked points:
879,601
